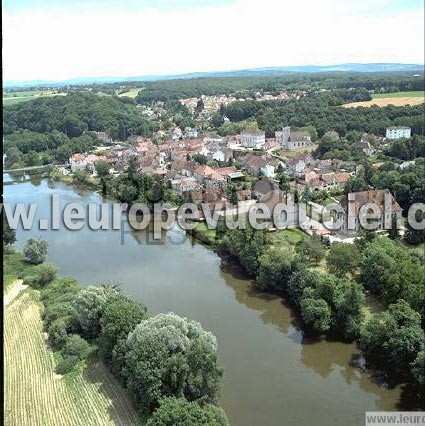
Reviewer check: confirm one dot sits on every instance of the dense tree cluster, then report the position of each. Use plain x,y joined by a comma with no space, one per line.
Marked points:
249,85
321,111
394,341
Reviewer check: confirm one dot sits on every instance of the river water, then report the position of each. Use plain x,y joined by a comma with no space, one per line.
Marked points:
273,374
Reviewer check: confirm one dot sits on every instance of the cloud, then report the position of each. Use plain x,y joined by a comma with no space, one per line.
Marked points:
62,43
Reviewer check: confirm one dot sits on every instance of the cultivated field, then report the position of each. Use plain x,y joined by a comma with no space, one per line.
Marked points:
11,98
36,395
396,99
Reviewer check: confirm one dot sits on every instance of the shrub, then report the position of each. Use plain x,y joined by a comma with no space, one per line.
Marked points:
66,365
77,347
58,333
35,251
179,411
41,275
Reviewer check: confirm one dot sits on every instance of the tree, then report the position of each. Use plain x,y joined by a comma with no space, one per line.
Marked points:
41,275
171,356
234,196
35,251
418,368
316,314
89,304
388,270
343,259
76,346
9,235
246,245
284,183
180,412
311,248
300,280
58,333
394,233
275,269
102,168
416,236
393,340
348,309
120,316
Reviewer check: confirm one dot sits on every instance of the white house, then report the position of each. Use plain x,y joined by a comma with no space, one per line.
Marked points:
219,155
191,132
268,171
398,132
253,138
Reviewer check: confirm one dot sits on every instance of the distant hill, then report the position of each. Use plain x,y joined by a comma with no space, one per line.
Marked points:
371,68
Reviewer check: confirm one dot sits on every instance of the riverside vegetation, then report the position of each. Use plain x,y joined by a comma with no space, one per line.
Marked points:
168,363
330,297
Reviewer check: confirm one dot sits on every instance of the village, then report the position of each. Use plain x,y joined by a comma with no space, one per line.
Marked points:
234,173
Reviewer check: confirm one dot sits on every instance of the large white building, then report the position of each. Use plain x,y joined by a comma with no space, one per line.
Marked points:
398,132
291,141
253,138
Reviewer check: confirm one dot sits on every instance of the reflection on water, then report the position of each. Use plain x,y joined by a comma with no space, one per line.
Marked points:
273,374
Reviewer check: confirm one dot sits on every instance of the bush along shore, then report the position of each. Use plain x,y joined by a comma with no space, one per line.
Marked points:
168,363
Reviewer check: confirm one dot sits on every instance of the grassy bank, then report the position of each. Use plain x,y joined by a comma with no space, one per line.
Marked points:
14,268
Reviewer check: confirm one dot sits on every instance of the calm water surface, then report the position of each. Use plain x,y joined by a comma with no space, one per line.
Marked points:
273,375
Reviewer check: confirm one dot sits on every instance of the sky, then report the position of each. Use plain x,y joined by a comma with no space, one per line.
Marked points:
62,39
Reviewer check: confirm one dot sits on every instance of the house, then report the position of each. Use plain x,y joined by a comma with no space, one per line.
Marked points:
176,134
268,170
201,173
312,180
333,180
222,154
103,137
292,140
78,162
183,168
253,163
191,132
398,132
406,164
253,138
365,147
297,165
352,213
184,185
85,161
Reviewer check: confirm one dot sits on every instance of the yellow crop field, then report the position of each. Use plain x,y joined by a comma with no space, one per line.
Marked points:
36,395
396,99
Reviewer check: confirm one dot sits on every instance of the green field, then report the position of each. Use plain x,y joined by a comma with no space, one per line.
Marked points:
417,94
132,93
287,237
11,98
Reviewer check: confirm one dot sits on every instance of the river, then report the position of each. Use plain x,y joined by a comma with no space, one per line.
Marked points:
273,374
